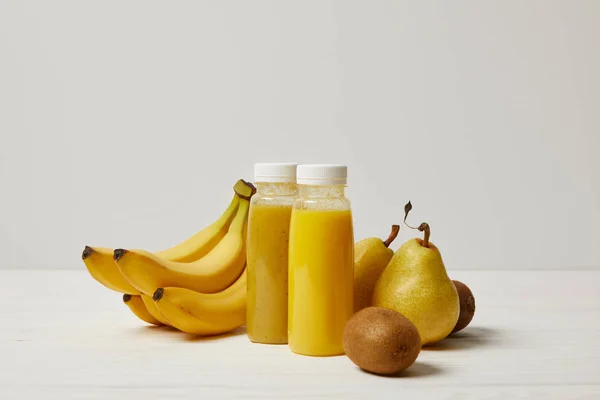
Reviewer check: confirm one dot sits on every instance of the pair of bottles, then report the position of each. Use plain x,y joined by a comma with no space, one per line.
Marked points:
300,258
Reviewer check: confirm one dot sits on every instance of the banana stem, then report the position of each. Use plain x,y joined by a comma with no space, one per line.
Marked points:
244,189
393,235
241,216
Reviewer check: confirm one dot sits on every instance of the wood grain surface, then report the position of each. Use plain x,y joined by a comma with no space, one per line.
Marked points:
535,335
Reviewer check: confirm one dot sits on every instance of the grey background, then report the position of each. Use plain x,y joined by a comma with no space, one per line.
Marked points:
125,123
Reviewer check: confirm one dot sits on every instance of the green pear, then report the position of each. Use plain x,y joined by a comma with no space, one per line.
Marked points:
415,283
371,256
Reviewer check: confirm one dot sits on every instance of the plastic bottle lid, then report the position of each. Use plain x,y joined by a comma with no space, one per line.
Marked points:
322,174
275,172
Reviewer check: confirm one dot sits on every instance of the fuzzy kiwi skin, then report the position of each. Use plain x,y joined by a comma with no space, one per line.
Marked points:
381,341
467,306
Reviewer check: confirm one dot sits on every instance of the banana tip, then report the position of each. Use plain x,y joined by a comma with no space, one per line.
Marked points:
158,294
126,298
86,252
118,254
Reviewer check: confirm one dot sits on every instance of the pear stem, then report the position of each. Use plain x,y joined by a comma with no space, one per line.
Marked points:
393,235
424,227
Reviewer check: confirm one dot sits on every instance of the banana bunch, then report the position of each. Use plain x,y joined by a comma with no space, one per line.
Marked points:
197,286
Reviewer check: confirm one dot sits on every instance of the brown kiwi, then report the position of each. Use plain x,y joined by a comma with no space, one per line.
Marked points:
467,306
381,340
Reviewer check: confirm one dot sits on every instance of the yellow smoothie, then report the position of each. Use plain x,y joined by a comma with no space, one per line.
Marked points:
267,258
321,278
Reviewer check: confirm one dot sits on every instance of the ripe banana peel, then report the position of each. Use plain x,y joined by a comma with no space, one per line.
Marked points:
215,272
204,241
137,307
100,264
201,313
207,239
150,306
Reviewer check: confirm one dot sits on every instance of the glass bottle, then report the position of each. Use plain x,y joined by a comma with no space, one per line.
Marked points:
267,252
321,261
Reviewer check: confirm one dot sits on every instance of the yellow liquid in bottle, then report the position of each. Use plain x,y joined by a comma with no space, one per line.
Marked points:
321,278
267,287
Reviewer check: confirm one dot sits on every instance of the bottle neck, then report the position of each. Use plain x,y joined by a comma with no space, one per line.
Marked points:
317,191
276,188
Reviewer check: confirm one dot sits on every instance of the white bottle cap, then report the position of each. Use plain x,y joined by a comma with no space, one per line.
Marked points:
322,174
275,172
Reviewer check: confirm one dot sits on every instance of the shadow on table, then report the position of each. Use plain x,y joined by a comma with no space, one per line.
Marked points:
154,330
417,370
470,337
236,332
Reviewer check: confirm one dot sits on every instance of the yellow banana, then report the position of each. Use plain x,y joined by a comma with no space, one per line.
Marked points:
207,239
152,309
204,241
212,273
136,305
204,314
100,263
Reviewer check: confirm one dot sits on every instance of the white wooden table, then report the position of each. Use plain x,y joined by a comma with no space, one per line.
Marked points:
63,336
